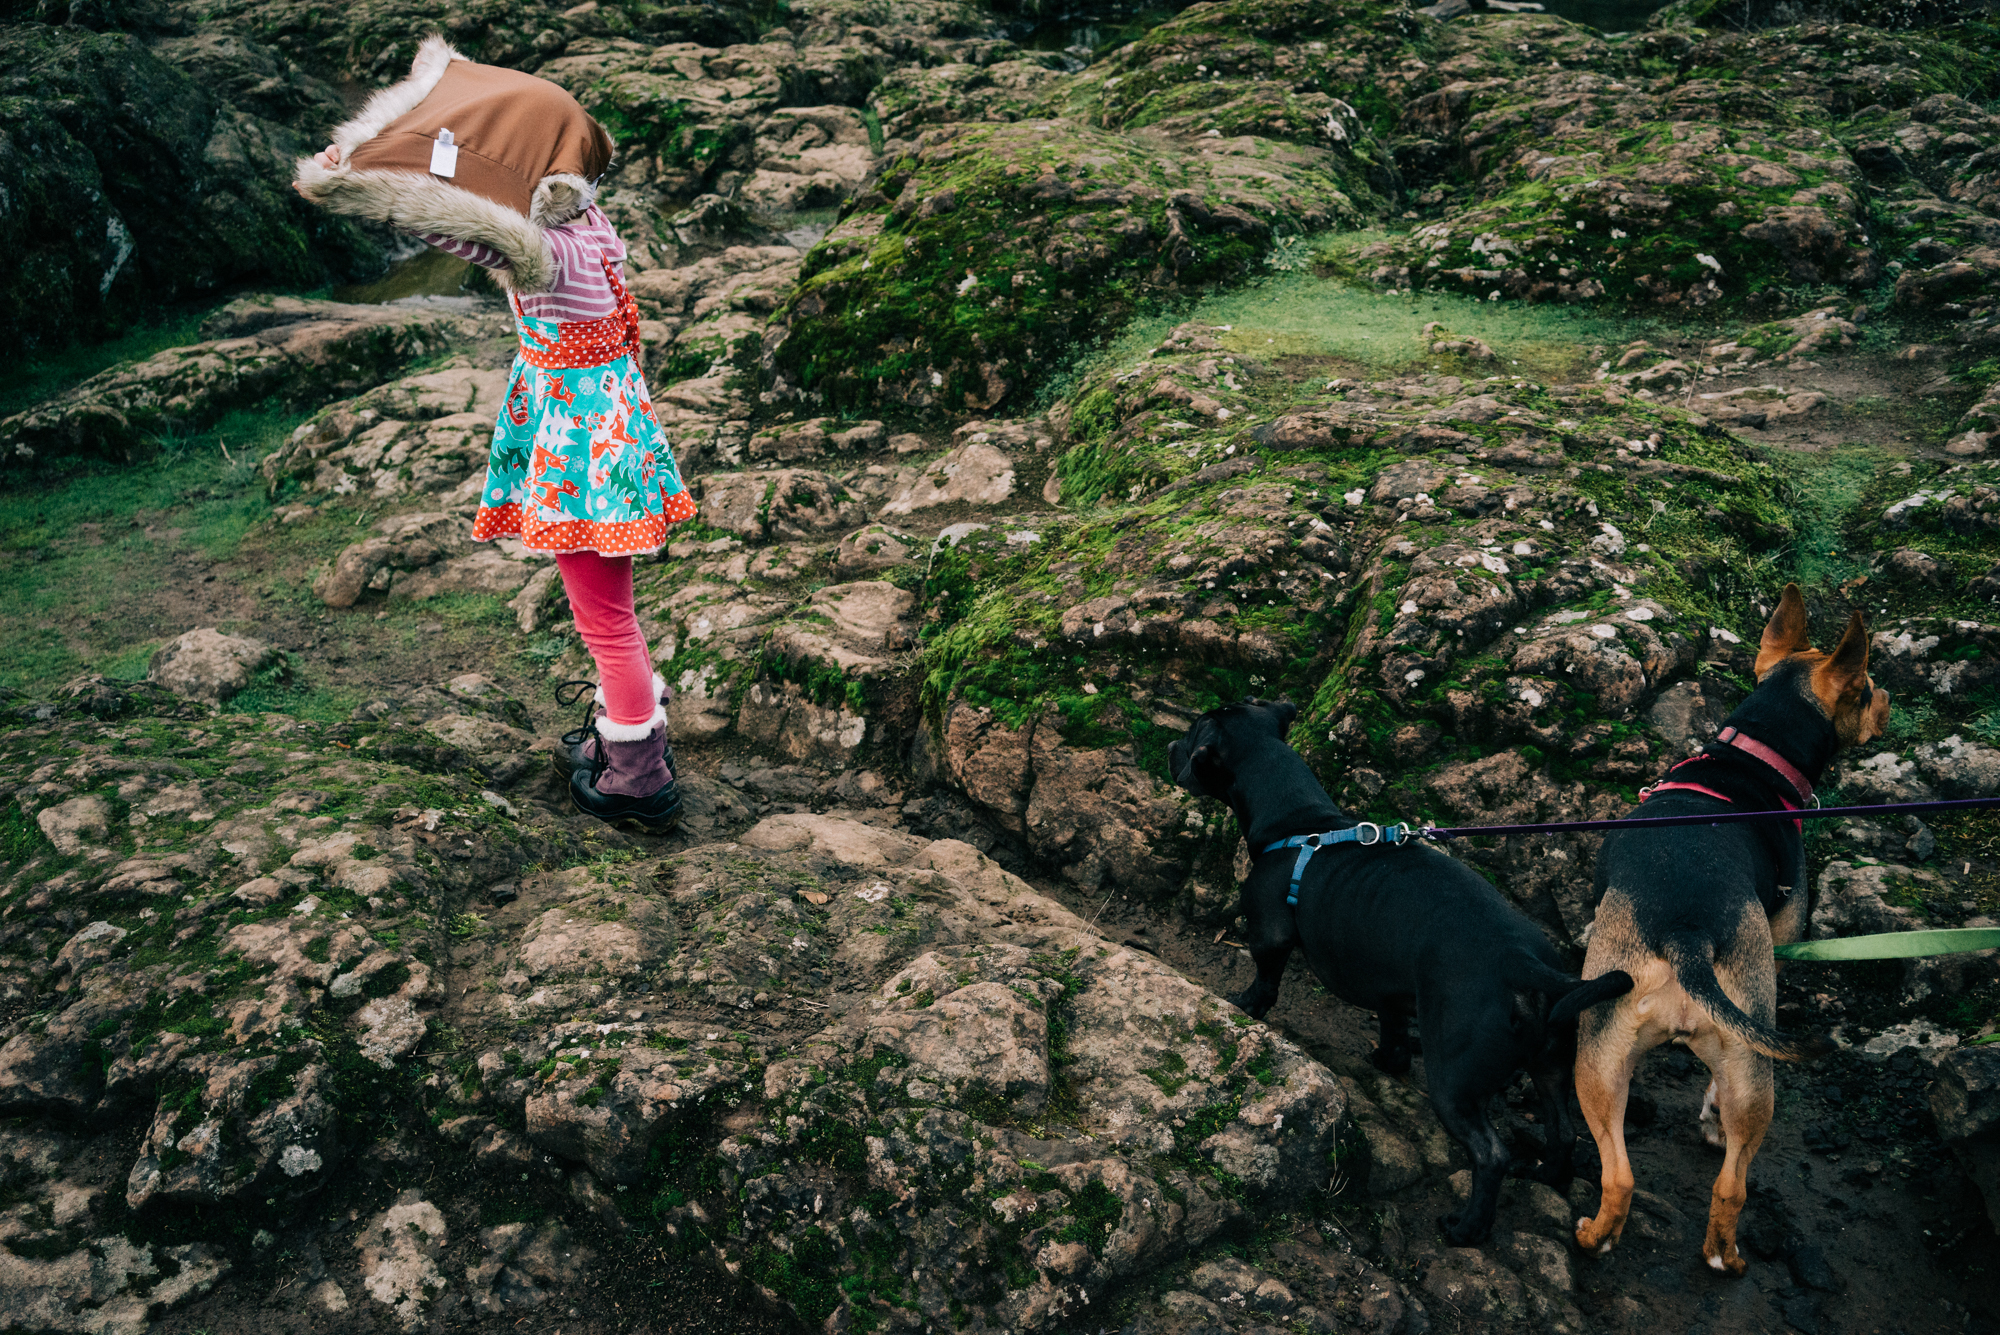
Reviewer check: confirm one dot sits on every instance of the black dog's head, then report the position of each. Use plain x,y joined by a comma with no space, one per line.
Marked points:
1205,761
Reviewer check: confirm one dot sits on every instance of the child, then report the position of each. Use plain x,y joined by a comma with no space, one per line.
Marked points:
498,167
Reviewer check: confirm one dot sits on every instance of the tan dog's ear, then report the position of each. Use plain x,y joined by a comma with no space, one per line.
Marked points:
1843,673
1786,634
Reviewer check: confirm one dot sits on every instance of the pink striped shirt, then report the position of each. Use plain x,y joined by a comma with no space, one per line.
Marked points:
580,291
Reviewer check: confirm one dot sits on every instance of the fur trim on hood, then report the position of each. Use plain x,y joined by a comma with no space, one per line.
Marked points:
527,159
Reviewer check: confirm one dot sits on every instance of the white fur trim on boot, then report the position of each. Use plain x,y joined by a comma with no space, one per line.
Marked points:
632,732
659,690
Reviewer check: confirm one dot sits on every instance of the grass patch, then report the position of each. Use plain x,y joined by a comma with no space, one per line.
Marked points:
1821,491
87,549
48,374
1304,314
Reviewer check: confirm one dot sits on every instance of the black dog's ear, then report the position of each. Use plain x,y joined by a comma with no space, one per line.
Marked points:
1286,712
1188,773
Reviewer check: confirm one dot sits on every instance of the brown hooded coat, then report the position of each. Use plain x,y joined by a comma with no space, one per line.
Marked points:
528,157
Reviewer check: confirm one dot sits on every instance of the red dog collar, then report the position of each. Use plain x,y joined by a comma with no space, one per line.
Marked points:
1751,746
1687,787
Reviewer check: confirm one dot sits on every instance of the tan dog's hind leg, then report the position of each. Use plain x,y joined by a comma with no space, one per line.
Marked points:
1711,1119
1603,1079
1745,1095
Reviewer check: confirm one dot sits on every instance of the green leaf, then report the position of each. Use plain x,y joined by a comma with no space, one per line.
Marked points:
1894,945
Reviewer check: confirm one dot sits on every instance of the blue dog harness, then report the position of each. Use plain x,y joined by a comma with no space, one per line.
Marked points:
1366,834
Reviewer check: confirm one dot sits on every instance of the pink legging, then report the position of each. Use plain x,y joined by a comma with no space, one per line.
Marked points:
600,594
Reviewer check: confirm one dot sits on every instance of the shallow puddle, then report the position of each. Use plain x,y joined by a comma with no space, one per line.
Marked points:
428,273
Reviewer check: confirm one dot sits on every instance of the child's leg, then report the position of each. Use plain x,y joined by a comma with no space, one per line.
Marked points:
600,594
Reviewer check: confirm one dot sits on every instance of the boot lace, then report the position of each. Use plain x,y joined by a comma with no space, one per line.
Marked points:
567,694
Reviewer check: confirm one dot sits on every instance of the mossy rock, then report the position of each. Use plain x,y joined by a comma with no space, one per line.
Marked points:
1752,15
1305,71
990,249
125,183
373,43
913,98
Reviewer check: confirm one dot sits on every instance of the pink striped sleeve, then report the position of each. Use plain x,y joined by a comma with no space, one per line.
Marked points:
484,256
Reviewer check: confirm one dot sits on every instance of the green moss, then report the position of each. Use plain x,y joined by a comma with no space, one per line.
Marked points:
804,1275
276,1082
1170,1074
20,837
918,312
662,126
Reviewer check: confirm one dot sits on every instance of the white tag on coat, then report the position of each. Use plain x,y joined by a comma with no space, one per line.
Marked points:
444,155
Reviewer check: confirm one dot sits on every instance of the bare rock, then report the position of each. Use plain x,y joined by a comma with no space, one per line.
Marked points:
204,664
86,950
971,474
1882,778
486,570
399,1254
607,1111
1914,567
1959,767
1965,1099
701,706
390,1028
405,542
871,551
845,841
785,503
600,931
306,352
261,1123
1860,899
1688,714
780,715
858,625
108,1286
478,733
524,1265
1473,1283
73,826
982,1035
1538,1259
815,438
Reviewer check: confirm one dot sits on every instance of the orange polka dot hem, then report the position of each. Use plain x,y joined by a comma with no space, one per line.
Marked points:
637,537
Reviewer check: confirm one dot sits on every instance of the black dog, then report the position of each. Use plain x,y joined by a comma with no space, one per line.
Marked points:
1400,930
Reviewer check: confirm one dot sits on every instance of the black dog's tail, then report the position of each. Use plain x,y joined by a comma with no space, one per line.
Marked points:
1583,996
1693,962
1570,995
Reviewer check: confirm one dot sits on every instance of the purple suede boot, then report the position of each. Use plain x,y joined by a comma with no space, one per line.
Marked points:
579,746
628,778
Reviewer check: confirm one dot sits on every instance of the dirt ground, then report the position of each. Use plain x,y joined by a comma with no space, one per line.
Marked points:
1893,1220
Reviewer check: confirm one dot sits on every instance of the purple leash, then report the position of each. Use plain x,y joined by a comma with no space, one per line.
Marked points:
1436,832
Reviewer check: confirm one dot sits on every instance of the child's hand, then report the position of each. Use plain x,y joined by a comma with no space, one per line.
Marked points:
328,157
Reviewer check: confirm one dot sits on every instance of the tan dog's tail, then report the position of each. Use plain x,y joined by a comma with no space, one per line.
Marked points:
1693,961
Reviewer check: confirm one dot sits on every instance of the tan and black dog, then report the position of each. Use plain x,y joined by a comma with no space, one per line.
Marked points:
1692,914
